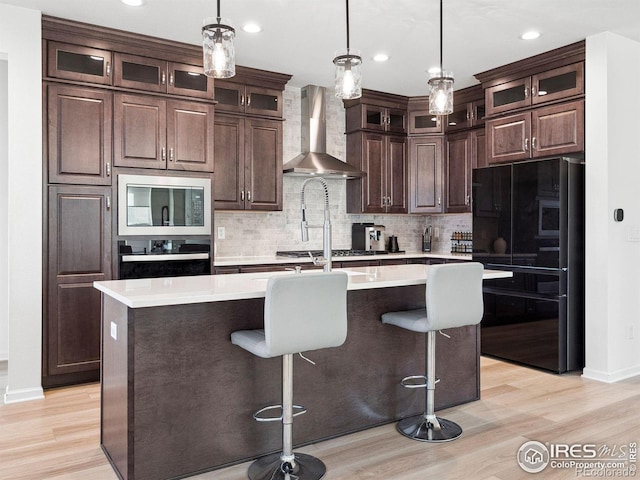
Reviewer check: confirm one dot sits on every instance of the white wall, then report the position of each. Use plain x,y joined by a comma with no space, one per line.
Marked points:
20,44
4,153
612,180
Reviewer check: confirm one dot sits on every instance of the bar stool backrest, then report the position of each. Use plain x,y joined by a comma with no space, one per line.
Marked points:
454,295
304,312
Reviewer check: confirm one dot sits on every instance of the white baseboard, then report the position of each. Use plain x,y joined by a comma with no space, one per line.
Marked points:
23,395
611,377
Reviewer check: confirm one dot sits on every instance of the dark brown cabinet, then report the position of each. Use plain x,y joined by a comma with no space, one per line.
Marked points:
79,135
79,63
466,115
151,132
556,84
384,187
247,99
457,173
376,117
545,131
79,236
155,75
422,122
248,163
425,175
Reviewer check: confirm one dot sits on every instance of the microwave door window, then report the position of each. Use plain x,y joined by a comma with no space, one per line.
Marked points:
139,212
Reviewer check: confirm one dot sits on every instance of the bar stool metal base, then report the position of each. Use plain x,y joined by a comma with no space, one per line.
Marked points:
271,467
420,428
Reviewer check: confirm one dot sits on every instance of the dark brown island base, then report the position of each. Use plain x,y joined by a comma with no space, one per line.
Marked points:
178,397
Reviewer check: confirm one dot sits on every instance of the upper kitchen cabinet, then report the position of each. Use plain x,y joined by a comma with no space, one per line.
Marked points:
468,109
420,120
151,132
549,77
79,63
78,135
425,174
251,92
383,158
248,163
155,75
553,130
378,112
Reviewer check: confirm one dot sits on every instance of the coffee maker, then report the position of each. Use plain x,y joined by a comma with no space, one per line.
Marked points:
367,236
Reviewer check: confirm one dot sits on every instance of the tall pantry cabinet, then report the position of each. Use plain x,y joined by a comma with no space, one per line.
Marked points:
84,69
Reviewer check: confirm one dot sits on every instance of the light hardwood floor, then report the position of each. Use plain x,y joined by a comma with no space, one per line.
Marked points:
58,437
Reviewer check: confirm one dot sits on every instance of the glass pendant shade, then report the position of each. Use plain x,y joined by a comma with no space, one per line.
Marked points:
218,50
441,93
348,77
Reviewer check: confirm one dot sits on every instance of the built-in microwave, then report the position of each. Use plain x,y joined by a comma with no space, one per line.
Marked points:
155,205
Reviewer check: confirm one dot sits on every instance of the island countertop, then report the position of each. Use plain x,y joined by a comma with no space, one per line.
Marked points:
156,292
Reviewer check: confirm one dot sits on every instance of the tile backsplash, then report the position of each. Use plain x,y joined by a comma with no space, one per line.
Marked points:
264,233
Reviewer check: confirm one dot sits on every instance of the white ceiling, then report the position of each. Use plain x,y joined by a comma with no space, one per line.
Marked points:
301,37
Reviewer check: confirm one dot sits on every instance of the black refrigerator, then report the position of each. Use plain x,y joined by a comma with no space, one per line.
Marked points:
529,218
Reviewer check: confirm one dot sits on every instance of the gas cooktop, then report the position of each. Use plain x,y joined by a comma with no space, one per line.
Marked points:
334,253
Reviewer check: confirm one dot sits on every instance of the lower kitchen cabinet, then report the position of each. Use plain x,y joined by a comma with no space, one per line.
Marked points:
79,253
425,175
248,163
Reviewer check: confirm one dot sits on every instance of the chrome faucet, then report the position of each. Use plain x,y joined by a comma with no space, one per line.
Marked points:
325,260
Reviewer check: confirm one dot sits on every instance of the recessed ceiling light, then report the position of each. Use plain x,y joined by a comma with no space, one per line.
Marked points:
252,28
133,3
380,57
530,35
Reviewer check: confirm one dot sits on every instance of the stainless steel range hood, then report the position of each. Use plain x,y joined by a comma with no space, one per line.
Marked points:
315,160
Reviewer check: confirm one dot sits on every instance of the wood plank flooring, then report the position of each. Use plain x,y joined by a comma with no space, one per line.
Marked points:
58,437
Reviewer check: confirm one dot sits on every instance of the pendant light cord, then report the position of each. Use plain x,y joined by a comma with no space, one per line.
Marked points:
441,71
220,17
347,26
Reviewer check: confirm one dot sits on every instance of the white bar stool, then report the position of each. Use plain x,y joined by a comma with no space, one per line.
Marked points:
302,312
453,299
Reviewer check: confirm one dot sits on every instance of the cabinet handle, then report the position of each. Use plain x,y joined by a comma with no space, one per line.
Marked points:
248,100
171,79
249,195
242,195
382,202
439,200
468,116
533,143
164,154
171,154
473,115
108,202
526,93
467,200
108,69
389,202
108,169
526,144
533,91
242,100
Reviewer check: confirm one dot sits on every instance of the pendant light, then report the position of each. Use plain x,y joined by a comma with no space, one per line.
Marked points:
441,86
218,51
348,79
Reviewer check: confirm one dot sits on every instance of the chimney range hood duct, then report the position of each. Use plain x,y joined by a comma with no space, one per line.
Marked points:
314,160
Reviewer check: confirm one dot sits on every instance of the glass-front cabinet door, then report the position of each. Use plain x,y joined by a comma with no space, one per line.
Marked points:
558,83
229,95
141,73
508,96
421,121
263,101
189,80
82,64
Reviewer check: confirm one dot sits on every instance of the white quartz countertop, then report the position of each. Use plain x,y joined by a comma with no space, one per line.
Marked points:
156,292
274,259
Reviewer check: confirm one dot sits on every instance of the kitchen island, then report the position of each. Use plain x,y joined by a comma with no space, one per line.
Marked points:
177,396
